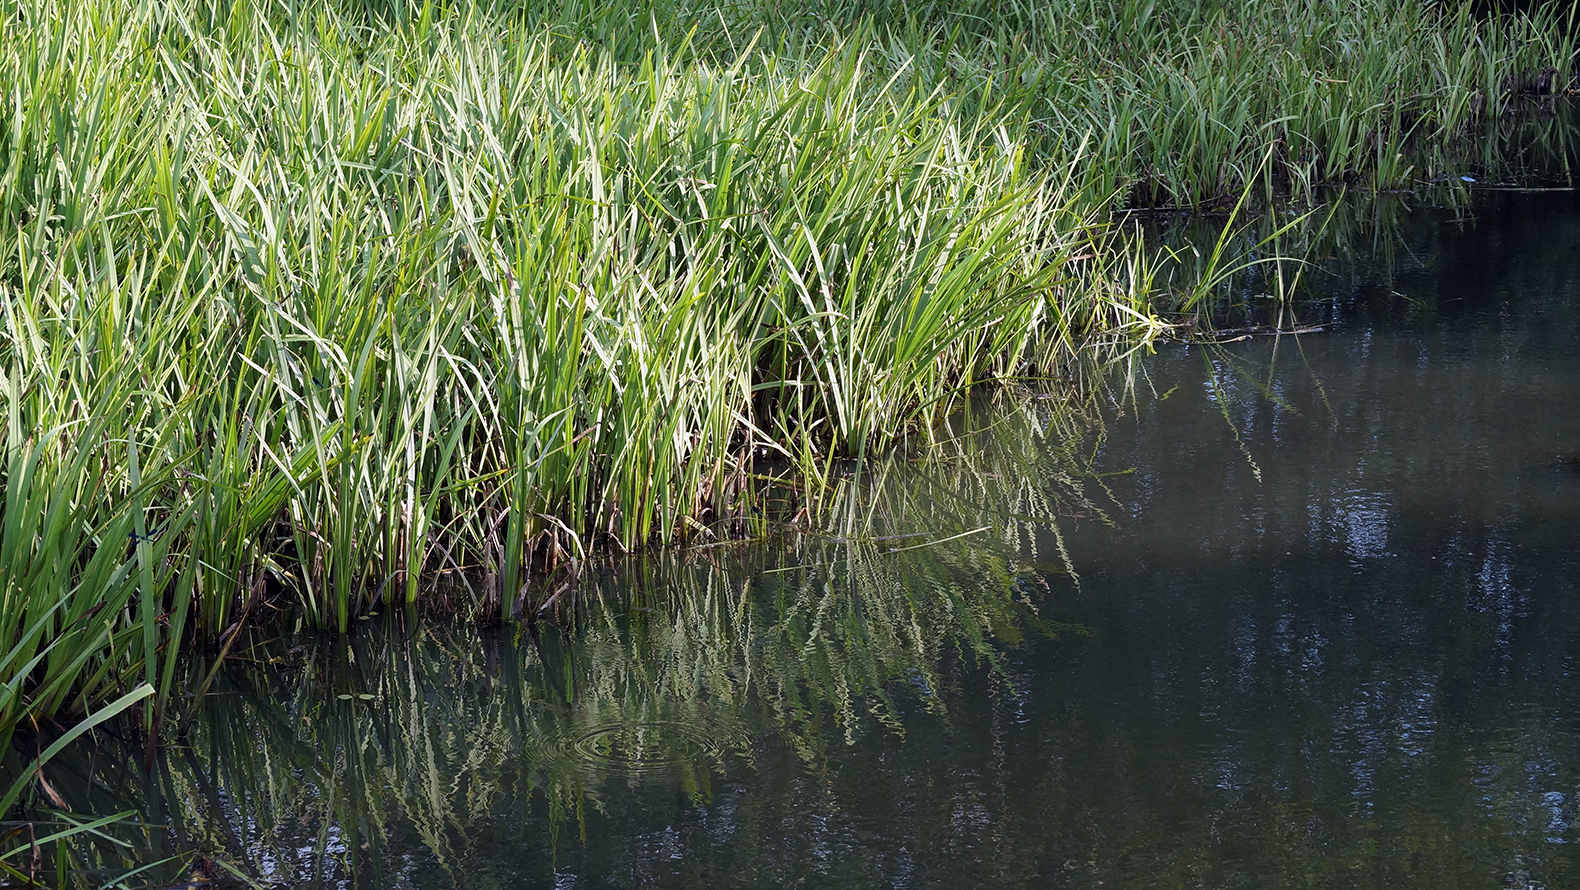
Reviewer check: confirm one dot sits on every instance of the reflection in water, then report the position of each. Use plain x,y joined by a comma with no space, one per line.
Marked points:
1320,631
413,755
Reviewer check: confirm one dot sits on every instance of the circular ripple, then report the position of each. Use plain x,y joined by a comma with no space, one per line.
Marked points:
644,747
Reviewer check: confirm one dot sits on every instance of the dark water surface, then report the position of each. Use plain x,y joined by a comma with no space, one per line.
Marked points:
1323,630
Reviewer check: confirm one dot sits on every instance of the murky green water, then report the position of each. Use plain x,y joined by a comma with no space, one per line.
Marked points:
1286,612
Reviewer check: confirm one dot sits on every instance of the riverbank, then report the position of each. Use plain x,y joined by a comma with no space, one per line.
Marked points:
1337,569
302,312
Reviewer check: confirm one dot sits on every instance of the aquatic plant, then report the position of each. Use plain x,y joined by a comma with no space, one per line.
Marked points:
662,671
305,309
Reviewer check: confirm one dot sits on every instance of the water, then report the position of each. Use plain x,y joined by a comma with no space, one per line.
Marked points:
1285,612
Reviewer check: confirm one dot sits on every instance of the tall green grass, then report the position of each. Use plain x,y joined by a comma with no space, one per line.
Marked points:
1169,103
302,306
474,303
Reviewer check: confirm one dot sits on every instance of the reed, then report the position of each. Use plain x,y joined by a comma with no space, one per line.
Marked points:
515,305
308,306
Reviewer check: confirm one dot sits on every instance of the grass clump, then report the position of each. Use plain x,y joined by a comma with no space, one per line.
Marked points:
1174,102
296,305
1182,100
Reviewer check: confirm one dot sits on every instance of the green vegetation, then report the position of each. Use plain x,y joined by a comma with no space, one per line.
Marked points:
310,305
746,707
664,669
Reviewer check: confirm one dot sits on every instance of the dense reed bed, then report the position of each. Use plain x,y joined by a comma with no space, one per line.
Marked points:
304,306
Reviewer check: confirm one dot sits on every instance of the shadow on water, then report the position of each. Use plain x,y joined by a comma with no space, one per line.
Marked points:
1292,611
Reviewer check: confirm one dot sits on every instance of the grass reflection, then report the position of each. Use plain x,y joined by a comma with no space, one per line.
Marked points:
334,759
